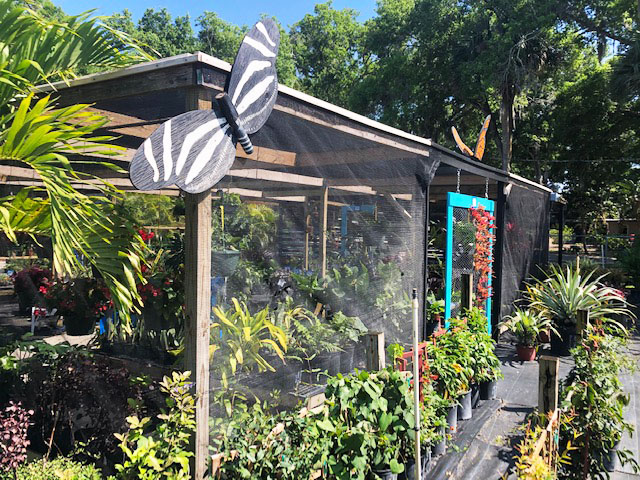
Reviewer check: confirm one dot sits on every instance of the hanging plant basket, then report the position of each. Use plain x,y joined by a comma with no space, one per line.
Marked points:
224,262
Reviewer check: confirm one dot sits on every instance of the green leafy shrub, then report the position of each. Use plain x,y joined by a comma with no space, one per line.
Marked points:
526,325
60,468
592,391
486,364
161,452
630,262
368,421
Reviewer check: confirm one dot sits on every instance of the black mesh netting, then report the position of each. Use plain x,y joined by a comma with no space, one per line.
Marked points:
526,241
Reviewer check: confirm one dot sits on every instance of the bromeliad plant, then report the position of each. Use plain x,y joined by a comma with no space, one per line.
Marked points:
243,339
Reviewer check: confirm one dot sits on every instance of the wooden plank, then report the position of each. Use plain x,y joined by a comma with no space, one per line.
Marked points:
548,375
273,176
582,321
324,210
268,155
466,288
375,351
307,234
197,240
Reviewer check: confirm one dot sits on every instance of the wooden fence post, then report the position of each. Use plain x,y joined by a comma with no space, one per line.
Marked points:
375,351
582,321
548,375
466,290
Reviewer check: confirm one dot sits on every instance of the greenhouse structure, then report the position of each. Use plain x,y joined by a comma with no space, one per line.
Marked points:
375,210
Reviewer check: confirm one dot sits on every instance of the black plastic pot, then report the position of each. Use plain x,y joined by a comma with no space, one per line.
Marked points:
347,359
488,390
452,418
384,475
465,411
78,325
560,345
440,447
475,395
323,364
410,467
611,461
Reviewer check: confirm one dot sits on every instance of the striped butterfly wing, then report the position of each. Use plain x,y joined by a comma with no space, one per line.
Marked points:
482,138
253,84
194,150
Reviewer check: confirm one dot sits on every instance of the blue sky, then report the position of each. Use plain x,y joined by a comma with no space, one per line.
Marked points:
236,11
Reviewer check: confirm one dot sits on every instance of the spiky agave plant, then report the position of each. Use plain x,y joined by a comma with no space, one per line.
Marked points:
567,290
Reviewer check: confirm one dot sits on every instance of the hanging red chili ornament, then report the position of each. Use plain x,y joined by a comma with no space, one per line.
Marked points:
483,255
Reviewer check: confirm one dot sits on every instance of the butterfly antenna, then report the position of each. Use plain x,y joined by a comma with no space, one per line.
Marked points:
231,114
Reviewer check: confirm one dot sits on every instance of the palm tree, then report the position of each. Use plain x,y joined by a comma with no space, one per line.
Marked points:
34,134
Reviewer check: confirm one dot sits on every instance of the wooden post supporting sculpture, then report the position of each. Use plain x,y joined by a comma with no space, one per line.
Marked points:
197,249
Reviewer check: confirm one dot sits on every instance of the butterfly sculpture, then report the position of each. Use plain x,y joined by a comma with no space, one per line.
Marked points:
196,149
480,145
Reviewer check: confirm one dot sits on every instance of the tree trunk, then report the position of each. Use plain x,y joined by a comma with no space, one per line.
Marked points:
506,120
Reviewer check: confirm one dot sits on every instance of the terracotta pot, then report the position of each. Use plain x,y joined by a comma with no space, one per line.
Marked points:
526,354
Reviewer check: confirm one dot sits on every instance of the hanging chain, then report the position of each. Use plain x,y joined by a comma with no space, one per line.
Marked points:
486,188
458,183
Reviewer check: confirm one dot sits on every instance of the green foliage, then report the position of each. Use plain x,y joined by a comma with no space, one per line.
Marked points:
42,138
369,419
630,261
59,468
259,453
486,364
594,393
567,290
149,210
526,325
162,452
451,359
242,338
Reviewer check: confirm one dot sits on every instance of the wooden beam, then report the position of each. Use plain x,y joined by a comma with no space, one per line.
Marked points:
548,375
268,155
273,176
307,234
197,240
323,234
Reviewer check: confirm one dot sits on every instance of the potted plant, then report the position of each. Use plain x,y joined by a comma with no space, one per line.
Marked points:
486,365
369,418
349,331
526,325
450,366
81,302
28,286
435,308
567,290
224,256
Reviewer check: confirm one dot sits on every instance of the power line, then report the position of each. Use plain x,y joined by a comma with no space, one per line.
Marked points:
604,160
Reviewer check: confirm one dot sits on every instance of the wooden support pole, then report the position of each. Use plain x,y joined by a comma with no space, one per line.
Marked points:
323,235
466,288
375,351
197,251
582,321
307,232
548,375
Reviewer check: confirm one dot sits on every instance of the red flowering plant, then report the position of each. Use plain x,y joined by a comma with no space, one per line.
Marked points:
483,254
81,297
27,285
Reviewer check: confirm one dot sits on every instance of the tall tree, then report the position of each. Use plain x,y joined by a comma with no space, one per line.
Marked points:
327,49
